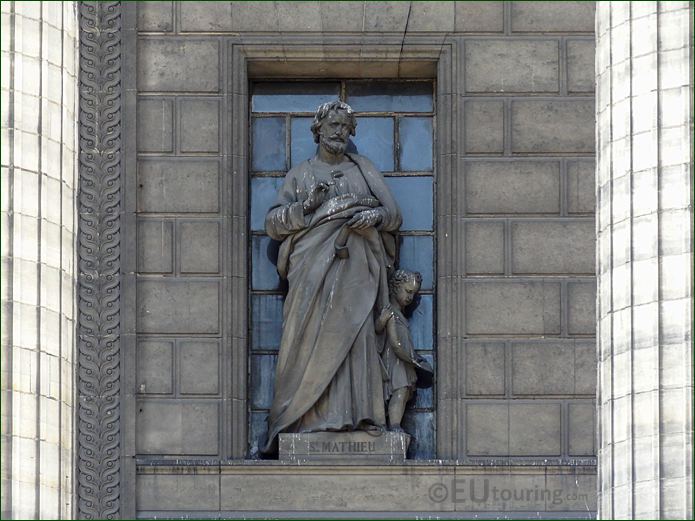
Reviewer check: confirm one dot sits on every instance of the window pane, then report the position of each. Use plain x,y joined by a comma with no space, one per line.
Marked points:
378,96
258,432
415,136
266,315
264,256
424,397
264,192
416,255
292,96
414,197
374,139
303,146
421,322
262,381
268,139
421,426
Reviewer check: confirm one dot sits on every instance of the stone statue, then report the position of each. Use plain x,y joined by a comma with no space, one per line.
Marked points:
335,218
402,364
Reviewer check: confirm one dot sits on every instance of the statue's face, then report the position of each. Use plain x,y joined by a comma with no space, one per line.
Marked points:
334,132
405,292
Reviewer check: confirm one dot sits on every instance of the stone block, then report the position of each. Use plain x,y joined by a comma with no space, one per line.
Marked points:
512,187
581,190
199,362
342,16
577,491
508,308
178,185
553,247
155,16
181,427
542,368
323,489
200,125
343,447
484,368
178,492
155,122
484,247
553,126
200,246
585,367
176,65
155,246
206,16
257,15
386,16
487,429
155,362
484,127
512,66
581,308
581,75
173,306
479,17
559,17
535,429
582,429
431,17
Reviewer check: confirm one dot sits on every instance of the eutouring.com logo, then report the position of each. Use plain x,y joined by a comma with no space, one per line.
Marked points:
480,490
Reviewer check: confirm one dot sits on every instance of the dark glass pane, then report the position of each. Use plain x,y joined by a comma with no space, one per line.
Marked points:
264,254
421,322
292,96
374,139
415,135
424,398
264,192
420,425
266,317
416,255
302,146
262,381
379,96
414,197
258,432
268,153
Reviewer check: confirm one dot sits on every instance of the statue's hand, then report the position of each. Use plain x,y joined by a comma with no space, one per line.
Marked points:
317,195
384,317
365,219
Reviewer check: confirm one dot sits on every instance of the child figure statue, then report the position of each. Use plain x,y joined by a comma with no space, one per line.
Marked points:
402,365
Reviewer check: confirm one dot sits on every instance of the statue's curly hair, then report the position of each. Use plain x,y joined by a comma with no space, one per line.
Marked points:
325,109
400,276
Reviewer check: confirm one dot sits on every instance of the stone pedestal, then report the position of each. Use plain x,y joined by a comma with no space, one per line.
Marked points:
344,447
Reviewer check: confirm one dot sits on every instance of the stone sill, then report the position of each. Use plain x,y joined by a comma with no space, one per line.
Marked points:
582,465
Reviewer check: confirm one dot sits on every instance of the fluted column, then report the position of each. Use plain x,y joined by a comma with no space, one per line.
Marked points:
645,248
39,84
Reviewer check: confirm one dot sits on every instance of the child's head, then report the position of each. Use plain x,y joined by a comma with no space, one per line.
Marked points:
403,285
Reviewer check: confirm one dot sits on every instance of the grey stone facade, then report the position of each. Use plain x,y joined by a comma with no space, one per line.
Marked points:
163,336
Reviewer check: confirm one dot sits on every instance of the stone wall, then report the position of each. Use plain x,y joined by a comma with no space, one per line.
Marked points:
517,367
39,76
645,256
526,208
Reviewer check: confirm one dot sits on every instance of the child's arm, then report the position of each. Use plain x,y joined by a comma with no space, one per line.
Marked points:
399,342
384,318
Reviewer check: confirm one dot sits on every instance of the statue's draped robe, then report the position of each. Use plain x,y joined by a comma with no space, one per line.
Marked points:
329,373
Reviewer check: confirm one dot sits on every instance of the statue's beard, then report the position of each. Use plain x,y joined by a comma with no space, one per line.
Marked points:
334,146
